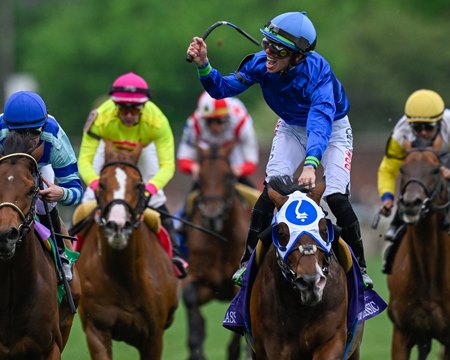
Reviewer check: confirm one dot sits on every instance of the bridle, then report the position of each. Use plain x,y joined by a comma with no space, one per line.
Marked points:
305,250
27,219
135,212
216,221
428,204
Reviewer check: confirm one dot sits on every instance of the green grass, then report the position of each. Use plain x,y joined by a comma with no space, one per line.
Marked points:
376,342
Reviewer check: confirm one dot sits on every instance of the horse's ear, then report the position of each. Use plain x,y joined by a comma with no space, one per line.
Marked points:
37,153
317,192
277,198
437,143
228,147
108,149
136,153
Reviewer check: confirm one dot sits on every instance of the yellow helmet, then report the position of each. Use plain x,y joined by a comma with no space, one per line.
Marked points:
424,106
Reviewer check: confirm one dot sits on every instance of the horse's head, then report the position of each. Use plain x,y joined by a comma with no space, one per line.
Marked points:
120,195
302,236
216,182
19,186
422,185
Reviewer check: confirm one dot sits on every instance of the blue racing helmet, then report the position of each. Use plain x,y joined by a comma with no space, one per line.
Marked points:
25,110
293,30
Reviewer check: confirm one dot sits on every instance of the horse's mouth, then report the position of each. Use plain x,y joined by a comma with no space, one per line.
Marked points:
6,255
311,294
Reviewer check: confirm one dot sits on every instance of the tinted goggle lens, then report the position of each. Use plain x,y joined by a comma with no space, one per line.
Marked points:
219,120
33,131
133,110
275,49
418,127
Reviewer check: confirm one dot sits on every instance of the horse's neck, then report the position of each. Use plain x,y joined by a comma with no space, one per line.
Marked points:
428,248
124,265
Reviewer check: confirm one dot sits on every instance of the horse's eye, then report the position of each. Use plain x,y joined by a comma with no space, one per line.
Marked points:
283,235
102,186
436,171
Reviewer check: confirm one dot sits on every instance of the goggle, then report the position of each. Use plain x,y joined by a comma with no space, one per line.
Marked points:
32,131
132,110
218,120
275,49
423,126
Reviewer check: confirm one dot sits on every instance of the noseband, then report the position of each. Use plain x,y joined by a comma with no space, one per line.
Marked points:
135,212
28,219
226,200
427,205
305,250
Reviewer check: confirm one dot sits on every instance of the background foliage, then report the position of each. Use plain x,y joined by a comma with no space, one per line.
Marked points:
381,51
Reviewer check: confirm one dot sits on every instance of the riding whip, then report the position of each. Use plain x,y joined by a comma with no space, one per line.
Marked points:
219,23
195,226
58,258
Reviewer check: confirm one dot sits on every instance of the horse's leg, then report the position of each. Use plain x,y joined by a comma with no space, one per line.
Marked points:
55,353
234,347
99,342
152,348
401,345
424,349
196,323
445,351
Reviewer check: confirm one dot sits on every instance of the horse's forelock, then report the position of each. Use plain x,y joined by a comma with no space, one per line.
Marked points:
17,142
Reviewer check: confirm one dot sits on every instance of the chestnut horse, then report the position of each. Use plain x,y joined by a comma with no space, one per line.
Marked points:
32,324
419,285
212,260
130,291
299,300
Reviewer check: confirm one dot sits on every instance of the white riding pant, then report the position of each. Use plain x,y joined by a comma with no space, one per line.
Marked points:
289,149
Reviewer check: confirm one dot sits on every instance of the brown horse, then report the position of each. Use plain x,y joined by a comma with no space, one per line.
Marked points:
130,291
32,324
298,303
218,208
419,284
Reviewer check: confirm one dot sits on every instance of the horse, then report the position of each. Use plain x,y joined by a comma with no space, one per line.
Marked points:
130,291
219,208
298,302
419,284
32,323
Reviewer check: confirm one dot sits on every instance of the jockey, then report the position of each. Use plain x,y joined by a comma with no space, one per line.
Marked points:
300,87
25,112
426,122
220,122
129,117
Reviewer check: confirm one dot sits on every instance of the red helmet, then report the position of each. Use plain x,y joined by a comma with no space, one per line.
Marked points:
130,89
209,107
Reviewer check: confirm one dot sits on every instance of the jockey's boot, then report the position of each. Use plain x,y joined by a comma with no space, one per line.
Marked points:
180,264
394,235
56,222
352,235
259,221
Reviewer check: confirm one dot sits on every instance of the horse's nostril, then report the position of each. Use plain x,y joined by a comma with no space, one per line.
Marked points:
12,234
111,225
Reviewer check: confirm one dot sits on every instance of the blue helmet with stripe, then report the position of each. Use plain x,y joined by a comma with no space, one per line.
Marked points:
25,110
293,30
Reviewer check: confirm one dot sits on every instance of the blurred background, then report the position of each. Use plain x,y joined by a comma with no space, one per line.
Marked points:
70,51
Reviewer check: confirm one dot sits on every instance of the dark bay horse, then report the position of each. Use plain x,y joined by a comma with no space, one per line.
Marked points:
219,208
299,300
419,285
32,324
130,291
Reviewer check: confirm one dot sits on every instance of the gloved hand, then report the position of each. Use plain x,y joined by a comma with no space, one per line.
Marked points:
94,184
151,188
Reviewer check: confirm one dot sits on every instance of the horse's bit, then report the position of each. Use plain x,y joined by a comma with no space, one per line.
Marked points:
135,212
28,219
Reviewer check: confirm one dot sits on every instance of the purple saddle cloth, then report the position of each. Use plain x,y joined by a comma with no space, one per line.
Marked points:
363,304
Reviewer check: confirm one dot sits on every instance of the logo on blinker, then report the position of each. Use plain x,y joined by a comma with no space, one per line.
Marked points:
301,212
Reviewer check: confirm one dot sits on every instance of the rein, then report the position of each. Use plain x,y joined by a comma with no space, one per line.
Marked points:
135,212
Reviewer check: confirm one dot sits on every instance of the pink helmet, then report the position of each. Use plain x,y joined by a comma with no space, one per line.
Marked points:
209,107
130,89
